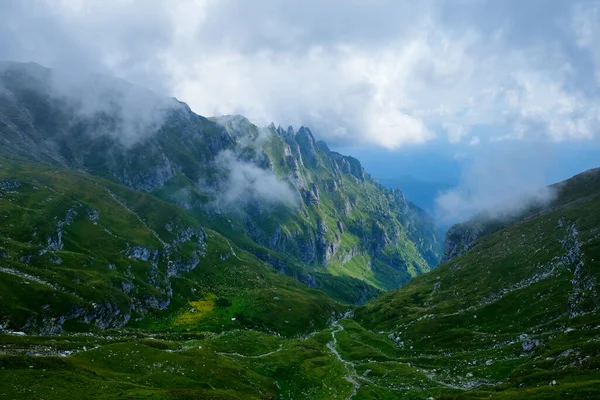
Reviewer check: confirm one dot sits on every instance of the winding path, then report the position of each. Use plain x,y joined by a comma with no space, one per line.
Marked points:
351,375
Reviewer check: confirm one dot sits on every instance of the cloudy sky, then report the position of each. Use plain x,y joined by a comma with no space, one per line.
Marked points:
385,77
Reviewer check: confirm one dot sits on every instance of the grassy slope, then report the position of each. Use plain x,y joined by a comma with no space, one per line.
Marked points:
235,365
539,276
461,327
94,267
177,164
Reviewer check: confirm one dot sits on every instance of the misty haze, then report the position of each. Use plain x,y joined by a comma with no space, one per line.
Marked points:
299,200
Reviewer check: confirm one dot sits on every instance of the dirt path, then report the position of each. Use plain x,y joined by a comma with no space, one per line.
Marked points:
351,375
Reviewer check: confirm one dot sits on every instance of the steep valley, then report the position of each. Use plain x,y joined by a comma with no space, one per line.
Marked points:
180,257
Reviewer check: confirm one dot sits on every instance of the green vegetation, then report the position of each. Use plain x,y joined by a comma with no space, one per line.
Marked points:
120,276
275,193
516,316
78,250
519,311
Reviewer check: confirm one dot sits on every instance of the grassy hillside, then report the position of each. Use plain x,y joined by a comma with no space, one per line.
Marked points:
514,317
78,252
518,314
169,292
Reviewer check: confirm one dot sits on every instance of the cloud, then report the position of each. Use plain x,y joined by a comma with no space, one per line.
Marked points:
455,131
385,73
474,141
499,184
247,183
117,108
135,112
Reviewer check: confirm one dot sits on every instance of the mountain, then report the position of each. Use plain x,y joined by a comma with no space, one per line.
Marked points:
148,252
514,313
79,252
277,193
514,316
463,236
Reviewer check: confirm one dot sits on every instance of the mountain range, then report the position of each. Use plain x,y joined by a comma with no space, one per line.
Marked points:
149,252
329,224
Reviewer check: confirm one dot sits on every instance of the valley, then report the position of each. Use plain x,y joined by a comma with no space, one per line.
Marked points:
211,258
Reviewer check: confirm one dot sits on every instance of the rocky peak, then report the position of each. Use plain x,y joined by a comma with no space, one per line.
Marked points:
306,141
398,196
237,126
323,147
348,165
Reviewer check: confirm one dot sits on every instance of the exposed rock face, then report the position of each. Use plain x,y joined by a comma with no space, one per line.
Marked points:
178,266
7,185
308,280
306,144
55,243
141,253
459,239
311,196
527,343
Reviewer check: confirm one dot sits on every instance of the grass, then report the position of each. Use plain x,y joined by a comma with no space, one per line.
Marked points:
93,278
468,315
198,310
235,328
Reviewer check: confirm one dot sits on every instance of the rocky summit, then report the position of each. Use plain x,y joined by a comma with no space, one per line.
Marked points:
149,252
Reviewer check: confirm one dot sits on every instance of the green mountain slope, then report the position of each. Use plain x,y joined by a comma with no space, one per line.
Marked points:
311,212
79,252
146,256
516,315
463,236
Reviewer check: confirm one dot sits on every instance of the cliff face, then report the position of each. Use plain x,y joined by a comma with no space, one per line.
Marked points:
460,238
311,212
342,219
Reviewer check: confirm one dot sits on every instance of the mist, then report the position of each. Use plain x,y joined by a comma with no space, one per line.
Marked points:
498,183
247,183
134,112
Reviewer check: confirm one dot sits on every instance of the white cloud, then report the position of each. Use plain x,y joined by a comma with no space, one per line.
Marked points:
474,141
387,73
455,131
501,183
246,182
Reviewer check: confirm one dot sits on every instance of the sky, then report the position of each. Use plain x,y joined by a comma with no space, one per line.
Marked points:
494,97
